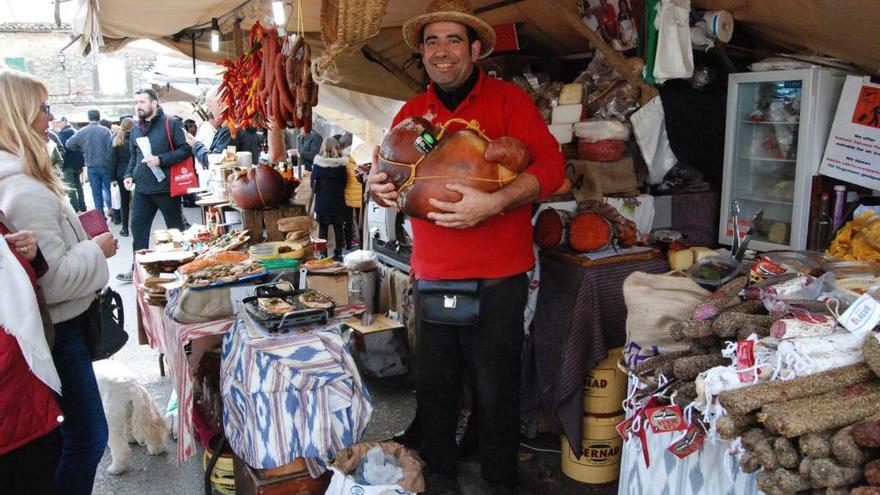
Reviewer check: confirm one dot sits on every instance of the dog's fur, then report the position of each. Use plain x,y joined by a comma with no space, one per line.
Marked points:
131,415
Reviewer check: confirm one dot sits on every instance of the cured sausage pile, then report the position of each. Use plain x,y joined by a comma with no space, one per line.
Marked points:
593,227
269,84
797,395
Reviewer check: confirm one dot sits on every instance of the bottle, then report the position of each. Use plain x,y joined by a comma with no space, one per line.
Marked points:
839,204
822,226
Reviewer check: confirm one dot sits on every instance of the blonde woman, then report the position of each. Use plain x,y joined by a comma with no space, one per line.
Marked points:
329,176
34,198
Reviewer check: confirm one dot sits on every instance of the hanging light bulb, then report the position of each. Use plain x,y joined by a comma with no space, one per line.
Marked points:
215,35
278,12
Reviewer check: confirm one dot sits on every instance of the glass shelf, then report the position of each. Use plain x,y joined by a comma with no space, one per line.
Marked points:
796,122
769,201
759,159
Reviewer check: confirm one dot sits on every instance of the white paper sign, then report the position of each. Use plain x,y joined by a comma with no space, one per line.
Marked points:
862,316
853,150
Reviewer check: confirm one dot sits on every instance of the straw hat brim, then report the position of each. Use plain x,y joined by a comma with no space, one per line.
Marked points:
412,29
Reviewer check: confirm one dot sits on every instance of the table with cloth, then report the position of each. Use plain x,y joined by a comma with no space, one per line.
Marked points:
171,337
290,396
580,315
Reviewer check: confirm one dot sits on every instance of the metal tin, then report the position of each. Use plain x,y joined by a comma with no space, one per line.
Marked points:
727,268
794,261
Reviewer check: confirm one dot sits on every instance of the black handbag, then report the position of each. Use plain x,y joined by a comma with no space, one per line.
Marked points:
449,302
105,332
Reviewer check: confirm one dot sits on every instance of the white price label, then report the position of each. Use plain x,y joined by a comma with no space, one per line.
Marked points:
862,316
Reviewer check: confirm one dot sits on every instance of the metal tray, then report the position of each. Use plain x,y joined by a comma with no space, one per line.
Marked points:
231,282
280,323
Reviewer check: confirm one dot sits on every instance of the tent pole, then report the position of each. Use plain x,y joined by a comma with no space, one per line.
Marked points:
647,91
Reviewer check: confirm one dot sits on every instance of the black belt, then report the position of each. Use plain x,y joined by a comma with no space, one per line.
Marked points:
492,282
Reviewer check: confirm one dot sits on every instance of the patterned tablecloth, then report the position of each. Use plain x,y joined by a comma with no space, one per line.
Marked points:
708,471
297,395
170,337
580,315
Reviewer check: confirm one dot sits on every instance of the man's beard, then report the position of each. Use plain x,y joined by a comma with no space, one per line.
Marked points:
145,114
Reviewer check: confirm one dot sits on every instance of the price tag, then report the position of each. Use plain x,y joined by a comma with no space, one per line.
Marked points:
691,442
862,316
665,418
745,358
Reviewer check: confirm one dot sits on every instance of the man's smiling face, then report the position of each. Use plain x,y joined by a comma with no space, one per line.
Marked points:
448,57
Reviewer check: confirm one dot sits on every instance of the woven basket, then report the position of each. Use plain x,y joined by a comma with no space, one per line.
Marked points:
346,25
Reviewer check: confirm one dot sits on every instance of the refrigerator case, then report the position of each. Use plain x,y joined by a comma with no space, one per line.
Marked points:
777,126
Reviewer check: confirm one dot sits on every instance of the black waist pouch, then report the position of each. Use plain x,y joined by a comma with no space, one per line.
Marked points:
449,302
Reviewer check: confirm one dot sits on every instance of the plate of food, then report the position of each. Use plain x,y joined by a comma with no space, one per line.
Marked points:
222,274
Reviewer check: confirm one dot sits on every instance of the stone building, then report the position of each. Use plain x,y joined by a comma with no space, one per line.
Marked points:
76,84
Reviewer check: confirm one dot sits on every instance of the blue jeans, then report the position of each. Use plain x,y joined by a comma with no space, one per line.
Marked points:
84,430
100,178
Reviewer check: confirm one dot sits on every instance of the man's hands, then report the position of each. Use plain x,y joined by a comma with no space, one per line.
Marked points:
383,194
474,207
128,182
152,161
190,139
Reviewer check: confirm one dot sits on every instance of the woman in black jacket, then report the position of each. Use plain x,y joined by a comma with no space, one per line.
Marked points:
329,176
121,155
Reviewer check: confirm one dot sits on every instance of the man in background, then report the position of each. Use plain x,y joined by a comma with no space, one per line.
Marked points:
150,174
245,139
73,165
189,125
308,144
94,142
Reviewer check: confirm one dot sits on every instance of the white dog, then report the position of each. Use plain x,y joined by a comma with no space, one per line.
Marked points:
131,415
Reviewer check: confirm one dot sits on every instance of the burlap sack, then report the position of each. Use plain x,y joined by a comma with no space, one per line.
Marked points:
653,304
198,306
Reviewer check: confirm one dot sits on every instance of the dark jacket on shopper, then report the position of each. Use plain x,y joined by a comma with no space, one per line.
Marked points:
120,156
154,130
329,176
94,141
245,140
309,145
73,159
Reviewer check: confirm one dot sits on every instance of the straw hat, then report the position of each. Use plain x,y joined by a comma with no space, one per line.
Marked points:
452,11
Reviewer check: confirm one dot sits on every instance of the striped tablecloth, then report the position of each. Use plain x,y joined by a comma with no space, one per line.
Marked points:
170,337
297,395
580,315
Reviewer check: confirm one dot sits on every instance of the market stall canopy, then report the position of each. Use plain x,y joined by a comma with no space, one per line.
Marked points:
843,29
385,66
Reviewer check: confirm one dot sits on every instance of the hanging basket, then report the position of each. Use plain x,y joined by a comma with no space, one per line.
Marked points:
346,25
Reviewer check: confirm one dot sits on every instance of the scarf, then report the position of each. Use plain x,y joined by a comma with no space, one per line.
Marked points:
20,316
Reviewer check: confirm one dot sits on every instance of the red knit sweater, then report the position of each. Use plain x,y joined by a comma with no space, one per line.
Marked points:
502,245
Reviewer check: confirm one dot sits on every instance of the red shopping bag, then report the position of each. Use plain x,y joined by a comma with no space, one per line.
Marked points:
183,173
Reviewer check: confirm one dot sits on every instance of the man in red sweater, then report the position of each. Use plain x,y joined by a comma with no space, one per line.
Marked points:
485,237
